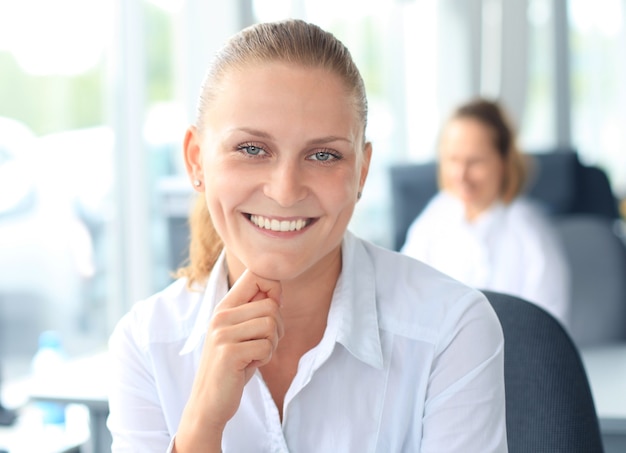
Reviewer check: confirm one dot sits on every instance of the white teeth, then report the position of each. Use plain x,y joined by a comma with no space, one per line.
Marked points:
278,225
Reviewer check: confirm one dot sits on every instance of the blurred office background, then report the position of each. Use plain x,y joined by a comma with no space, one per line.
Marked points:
95,96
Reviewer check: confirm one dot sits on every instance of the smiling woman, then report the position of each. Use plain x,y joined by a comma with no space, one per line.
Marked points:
480,229
280,177
285,325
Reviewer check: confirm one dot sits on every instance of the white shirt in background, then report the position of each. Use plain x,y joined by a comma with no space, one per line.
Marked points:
510,248
411,361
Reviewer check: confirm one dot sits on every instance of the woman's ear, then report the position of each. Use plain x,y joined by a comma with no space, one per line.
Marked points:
193,157
365,164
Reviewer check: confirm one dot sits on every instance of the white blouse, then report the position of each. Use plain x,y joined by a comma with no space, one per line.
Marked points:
411,361
510,248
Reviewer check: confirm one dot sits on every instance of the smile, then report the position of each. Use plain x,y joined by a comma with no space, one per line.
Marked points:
279,225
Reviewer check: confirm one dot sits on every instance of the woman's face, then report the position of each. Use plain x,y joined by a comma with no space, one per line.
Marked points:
471,168
282,160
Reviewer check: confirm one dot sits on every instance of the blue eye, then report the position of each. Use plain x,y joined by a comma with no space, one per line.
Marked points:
251,150
324,156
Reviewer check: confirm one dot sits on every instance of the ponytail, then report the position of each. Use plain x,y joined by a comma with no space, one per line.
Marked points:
205,245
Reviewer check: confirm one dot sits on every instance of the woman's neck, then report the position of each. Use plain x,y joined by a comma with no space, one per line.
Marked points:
306,300
474,211
305,305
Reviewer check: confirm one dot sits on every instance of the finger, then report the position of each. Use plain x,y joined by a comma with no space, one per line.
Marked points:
264,308
250,287
257,329
251,354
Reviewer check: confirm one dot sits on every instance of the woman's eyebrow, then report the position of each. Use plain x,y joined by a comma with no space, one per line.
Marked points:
255,132
328,139
315,141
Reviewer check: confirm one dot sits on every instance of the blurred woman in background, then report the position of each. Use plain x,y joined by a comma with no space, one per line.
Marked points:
478,228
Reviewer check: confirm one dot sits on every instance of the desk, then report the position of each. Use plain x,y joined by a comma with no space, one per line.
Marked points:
82,381
29,434
606,369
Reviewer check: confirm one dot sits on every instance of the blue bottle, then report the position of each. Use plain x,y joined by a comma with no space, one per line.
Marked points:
45,365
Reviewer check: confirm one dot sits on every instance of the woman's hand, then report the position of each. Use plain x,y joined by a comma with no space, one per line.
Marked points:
242,335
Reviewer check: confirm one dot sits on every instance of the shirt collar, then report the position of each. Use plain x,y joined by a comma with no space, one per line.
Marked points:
215,290
353,314
491,218
354,304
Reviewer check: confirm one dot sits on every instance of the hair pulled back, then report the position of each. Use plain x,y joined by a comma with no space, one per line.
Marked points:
492,115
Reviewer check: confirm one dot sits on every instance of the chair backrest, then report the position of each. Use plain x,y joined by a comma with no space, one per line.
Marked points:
412,186
565,186
597,258
549,405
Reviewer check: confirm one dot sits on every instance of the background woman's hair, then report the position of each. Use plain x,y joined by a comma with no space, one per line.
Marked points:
291,41
492,114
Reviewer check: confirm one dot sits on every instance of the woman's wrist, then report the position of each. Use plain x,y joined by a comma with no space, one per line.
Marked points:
195,434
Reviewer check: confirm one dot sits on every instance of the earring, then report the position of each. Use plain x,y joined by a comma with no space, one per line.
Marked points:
358,195
197,183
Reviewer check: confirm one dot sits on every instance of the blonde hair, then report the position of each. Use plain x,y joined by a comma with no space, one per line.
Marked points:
294,42
493,116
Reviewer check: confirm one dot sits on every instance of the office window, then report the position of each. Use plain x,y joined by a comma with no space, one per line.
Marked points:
597,95
55,174
537,129
598,72
87,114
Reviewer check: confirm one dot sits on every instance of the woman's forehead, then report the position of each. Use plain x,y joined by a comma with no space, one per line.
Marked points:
286,92
269,72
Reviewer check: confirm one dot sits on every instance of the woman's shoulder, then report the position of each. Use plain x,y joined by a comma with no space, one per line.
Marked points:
417,301
524,208
166,316
529,218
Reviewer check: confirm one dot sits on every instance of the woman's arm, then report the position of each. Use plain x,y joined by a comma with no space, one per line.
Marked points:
243,333
465,402
136,419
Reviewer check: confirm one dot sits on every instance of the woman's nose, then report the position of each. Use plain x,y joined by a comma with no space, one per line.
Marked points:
459,172
286,184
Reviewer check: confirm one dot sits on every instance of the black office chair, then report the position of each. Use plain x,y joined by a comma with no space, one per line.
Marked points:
549,406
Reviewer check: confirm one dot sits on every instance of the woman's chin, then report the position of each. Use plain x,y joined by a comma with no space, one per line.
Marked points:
273,271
